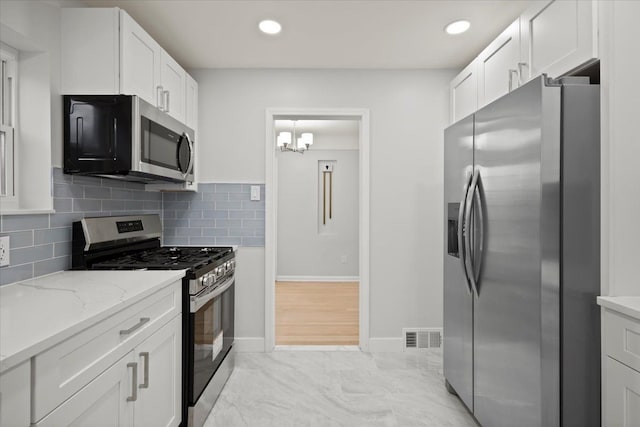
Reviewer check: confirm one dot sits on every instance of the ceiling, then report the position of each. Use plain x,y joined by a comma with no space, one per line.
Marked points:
320,33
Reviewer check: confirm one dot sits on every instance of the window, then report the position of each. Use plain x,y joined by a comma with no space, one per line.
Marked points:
8,73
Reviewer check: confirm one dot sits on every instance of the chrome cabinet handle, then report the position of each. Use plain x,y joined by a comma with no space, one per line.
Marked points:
467,236
166,101
134,380
511,71
521,65
145,381
159,96
461,250
142,321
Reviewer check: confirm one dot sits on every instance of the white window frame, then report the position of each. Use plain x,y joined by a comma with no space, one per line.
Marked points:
8,125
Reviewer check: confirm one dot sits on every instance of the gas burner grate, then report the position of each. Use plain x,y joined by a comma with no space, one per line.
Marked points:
176,258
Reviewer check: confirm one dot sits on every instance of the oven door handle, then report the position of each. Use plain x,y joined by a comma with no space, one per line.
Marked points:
198,301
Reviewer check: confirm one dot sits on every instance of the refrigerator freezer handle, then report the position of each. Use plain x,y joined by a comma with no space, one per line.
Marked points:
467,237
478,256
461,248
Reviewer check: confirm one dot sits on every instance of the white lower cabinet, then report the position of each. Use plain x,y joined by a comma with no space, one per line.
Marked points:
141,389
102,403
622,395
159,359
15,396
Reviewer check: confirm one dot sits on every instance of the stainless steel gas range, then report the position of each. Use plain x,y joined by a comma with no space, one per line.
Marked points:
134,242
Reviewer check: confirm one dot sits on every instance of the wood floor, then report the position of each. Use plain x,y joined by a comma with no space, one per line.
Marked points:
317,313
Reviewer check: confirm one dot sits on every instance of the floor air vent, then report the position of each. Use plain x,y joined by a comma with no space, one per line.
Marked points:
422,338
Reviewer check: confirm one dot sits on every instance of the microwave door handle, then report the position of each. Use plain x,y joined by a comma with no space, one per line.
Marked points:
191,155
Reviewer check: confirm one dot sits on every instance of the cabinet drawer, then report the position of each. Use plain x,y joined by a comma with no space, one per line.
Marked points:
622,338
64,369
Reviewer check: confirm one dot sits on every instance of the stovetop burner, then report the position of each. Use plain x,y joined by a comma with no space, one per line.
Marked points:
172,258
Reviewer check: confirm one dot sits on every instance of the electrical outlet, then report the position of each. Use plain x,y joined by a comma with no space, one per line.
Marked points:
4,251
255,192
343,259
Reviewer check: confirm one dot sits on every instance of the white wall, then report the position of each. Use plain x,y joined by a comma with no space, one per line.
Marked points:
306,247
409,110
33,27
620,62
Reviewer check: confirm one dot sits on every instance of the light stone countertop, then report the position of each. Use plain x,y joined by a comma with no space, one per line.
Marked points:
38,313
625,305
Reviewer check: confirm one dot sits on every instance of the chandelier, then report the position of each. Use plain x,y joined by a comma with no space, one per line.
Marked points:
285,141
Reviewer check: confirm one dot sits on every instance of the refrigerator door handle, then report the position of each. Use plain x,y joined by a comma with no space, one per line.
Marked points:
478,256
461,248
467,237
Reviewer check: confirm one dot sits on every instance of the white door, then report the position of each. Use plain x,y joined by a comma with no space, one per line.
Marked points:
139,61
498,66
191,105
621,402
107,401
159,377
464,92
173,80
557,37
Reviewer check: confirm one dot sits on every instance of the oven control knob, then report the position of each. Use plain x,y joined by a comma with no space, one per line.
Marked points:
212,278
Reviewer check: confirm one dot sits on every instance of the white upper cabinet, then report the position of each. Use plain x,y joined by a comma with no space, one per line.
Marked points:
173,80
106,52
464,92
558,37
553,37
140,61
498,65
90,66
191,94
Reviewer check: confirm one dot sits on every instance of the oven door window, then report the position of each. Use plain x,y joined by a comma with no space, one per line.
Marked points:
163,147
212,329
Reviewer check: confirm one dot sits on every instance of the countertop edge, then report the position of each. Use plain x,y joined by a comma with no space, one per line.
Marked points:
25,354
621,305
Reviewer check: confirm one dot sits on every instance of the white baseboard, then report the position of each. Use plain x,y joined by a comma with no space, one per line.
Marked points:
386,345
317,278
249,345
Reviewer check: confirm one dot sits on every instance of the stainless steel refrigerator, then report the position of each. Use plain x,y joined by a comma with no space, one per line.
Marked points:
522,257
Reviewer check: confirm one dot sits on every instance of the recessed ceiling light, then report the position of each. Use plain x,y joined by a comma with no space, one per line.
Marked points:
457,27
269,26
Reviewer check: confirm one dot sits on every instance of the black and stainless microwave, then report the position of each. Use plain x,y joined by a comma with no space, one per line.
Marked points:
124,137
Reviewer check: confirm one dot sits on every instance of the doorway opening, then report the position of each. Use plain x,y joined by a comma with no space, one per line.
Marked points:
317,233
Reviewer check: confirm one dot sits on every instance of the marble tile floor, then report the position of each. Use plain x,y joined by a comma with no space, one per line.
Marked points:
338,388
